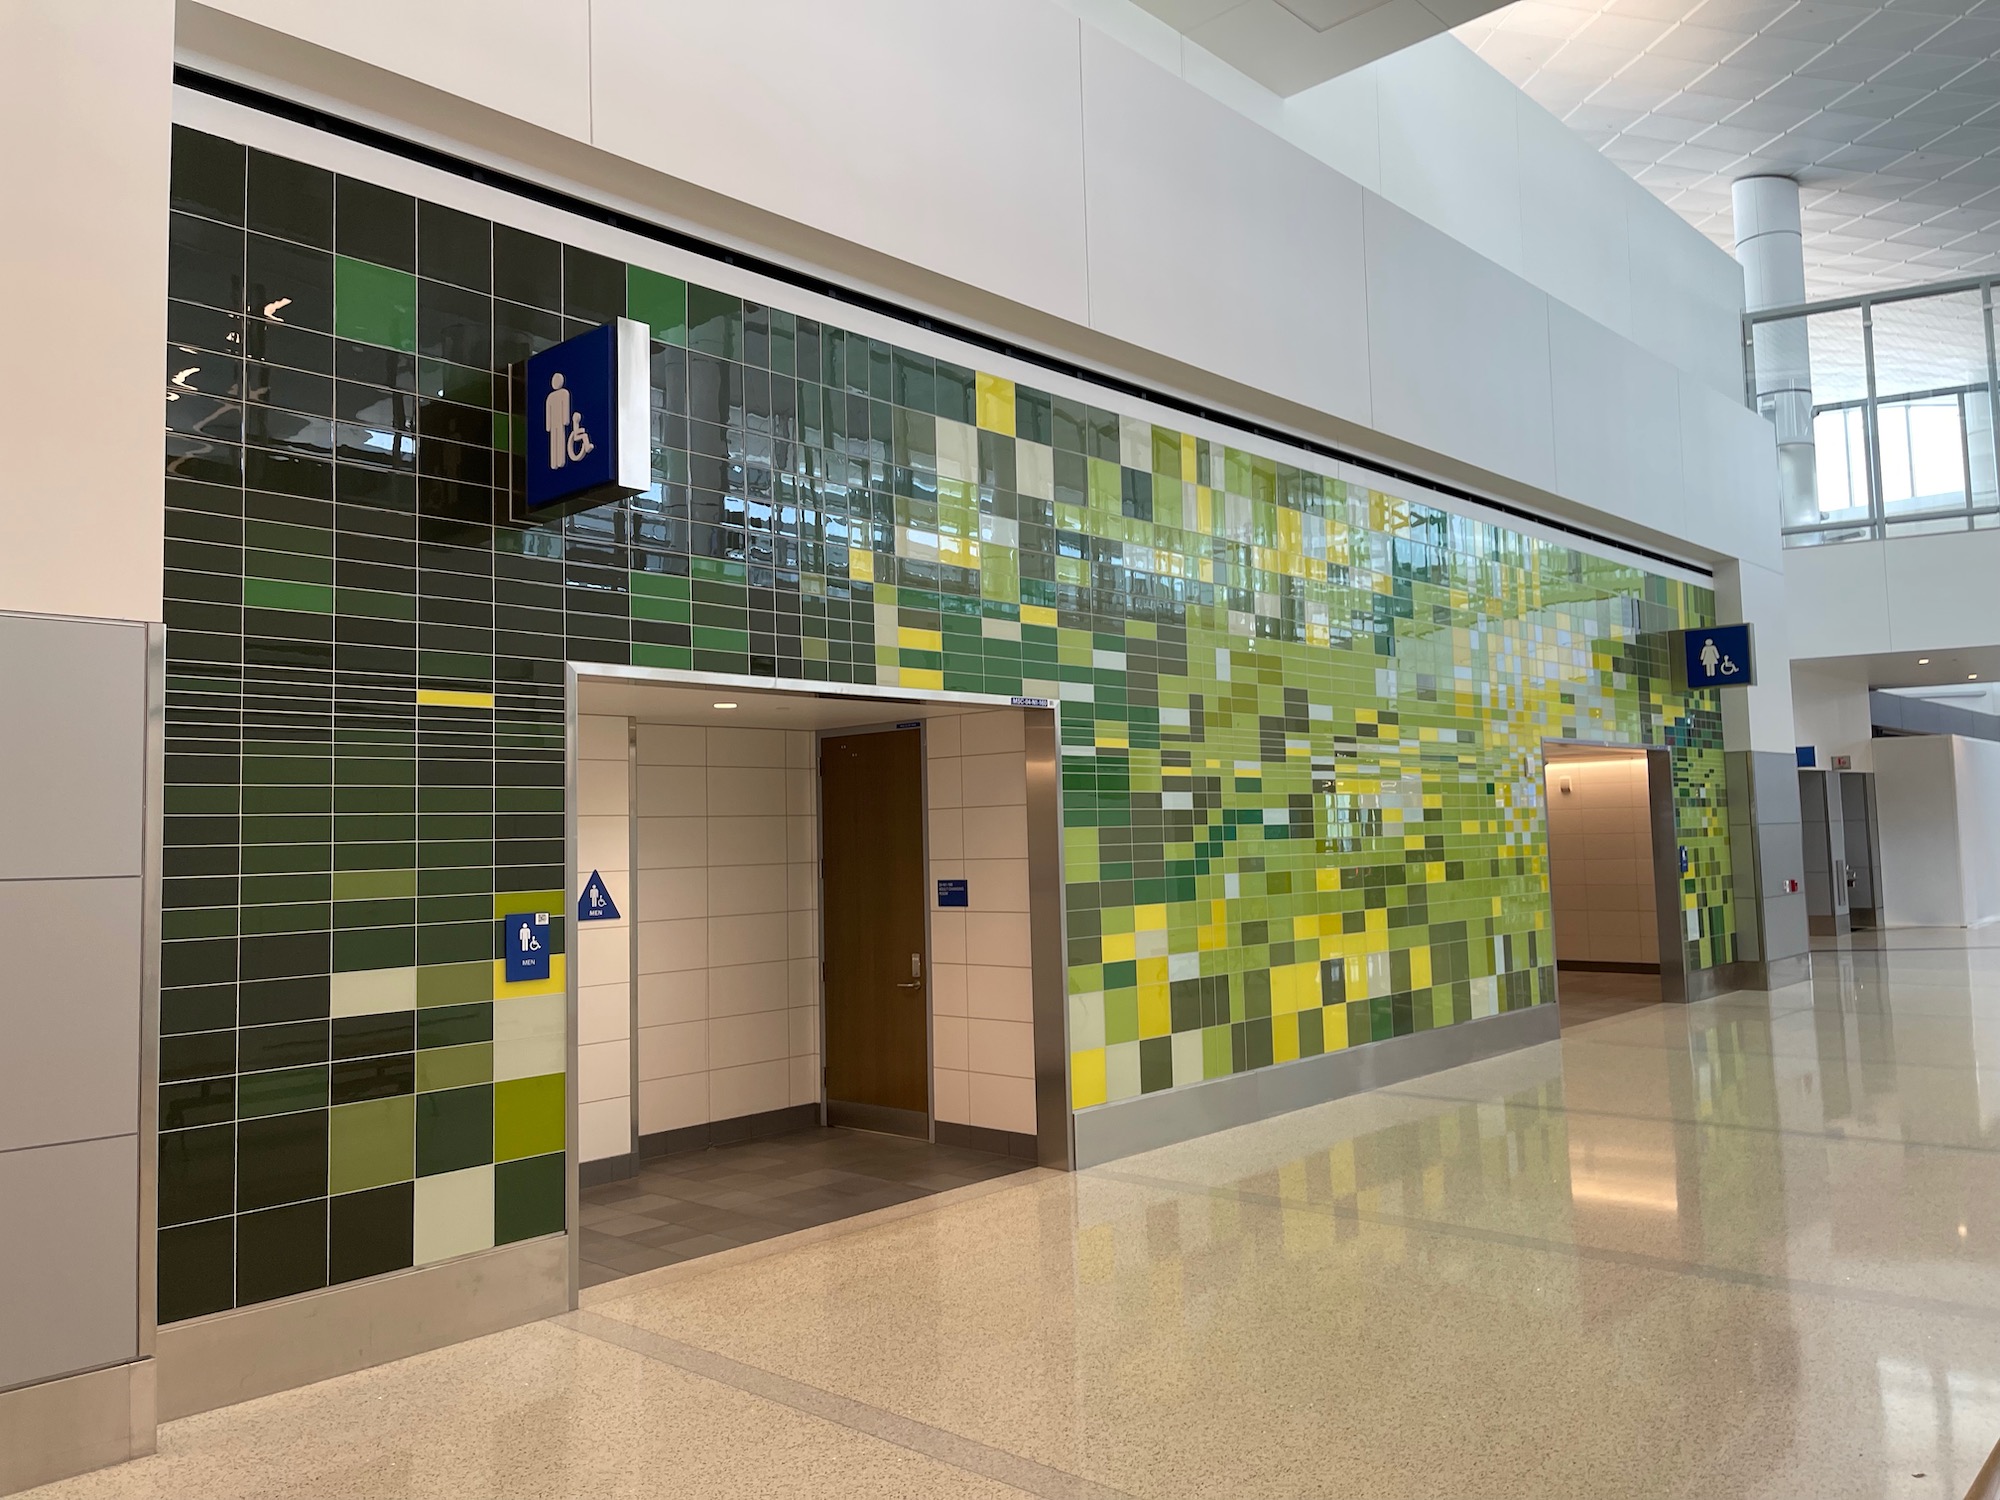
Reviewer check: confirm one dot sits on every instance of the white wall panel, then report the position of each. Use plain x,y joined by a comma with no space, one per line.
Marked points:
1729,470
1447,131
1941,591
1838,598
969,165
1687,297
1616,413
1575,227
1458,350
1217,244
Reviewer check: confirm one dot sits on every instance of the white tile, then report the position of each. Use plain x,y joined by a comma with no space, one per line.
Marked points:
602,737
672,745
995,780
671,947
942,737
672,895
999,1103
997,884
603,1013
672,843
603,843
951,1095
997,938
996,833
372,992
738,890
1000,994
673,1103
749,1090
948,937
671,1051
746,791
1000,1047
603,1128
947,833
746,747
756,938
804,1078
999,732
603,953
948,1042
738,989
604,1070
530,1036
948,989
672,792
669,999
603,788
747,840
453,1214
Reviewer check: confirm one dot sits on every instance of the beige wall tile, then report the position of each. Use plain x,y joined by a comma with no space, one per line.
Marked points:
668,999
746,747
672,1051
672,791
673,1103
670,947
740,840
1000,993
951,1095
739,989
999,1103
748,1090
1006,1047
672,843
996,833
672,745
604,1070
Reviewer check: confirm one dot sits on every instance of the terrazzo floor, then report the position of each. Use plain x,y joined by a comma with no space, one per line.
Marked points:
1748,1247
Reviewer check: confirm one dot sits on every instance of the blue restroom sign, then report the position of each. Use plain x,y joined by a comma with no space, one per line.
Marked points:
954,893
595,903
527,937
588,429
1719,656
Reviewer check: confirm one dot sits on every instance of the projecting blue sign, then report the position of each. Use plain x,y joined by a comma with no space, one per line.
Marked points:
527,939
1719,656
595,903
589,414
954,893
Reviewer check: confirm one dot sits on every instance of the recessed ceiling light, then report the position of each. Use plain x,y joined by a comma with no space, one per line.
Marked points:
1972,677
725,705
1923,661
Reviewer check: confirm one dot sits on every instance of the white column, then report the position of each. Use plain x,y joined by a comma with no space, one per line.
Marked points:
1770,246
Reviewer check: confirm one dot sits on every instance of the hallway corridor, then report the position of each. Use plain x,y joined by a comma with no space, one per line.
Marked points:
1749,1247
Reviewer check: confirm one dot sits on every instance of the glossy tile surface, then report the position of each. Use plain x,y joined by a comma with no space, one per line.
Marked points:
1749,1248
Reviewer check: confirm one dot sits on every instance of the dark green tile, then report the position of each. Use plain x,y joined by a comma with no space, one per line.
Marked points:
196,1270
375,224
370,1233
197,1173
528,1198
281,1252
280,1160
454,1129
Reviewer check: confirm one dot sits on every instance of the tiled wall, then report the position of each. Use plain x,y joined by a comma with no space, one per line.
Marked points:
1300,717
982,1017
604,945
728,924
1601,861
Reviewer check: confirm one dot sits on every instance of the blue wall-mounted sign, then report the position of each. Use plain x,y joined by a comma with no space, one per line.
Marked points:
594,903
527,938
1806,755
1684,859
1719,656
954,893
588,429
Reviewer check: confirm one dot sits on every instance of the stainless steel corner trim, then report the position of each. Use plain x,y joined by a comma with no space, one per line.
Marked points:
277,1346
149,987
1111,1131
1666,874
1055,1142
573,1154
57,1428
631,936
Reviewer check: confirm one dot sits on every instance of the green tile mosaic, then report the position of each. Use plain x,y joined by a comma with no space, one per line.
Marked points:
1300,718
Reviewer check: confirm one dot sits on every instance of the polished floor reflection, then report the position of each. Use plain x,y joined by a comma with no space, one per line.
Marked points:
1749,1247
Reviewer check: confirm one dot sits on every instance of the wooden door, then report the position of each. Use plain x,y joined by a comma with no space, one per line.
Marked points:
877,982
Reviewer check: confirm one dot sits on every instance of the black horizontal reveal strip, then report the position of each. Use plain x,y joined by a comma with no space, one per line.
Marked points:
583,208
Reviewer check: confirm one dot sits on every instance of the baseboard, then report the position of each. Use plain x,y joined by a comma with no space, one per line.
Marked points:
605,1169
1603,966
255,1351
56,1428
1013,1143
880,1118
727,1132
1753,974
1111,1131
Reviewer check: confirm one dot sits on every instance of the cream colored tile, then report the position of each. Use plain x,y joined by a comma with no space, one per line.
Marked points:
996,938
802,840
995,780
604,1070
672,1051
801,886
603,1128
948,937
738,989
603,843
802,749
1000,1103
947,833
673,895
603,1012
948,1042
670,998
996,833
673,843
1000,994
803,1074
604,953
951,1096
948,982
1000,1047
602,737
673,1103
997,884
671,947
749,1090
672,791
943,780
370,992
530,1036
750,939
746,747
747,840
453,1215
803,1034
672,745
801,934
803,985
1001,731
603,788
741,890
747,791
759,1036
943,737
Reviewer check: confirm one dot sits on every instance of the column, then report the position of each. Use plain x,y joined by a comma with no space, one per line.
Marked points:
1770,247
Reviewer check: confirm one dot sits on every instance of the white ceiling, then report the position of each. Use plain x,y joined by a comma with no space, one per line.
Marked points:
674,703
1888,115
1290,45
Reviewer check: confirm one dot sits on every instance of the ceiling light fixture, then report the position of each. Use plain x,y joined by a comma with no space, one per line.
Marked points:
1972,677
1923,661
725,705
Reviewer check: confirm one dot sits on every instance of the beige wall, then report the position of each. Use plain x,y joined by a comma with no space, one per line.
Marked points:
603,950
727,906
85,112
1601,861
983,1034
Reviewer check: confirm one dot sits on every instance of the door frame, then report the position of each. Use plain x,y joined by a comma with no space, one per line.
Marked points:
820,737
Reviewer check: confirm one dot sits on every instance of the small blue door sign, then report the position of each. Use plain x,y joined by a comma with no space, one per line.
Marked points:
526,934
595,904
588,429
954,893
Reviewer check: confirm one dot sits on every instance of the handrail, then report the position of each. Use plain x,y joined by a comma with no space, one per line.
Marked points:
1792,310
1986,1483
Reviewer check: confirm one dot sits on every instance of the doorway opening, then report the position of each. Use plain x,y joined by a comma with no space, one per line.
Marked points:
818,993
1614,878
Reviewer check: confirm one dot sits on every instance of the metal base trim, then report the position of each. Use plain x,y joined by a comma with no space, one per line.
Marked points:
276,1346
1013,1143
1752,974
879,1118
1112,1131
57,1428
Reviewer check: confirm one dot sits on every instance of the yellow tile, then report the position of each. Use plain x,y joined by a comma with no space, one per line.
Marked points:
506,903
1153,971
923,677
860,565
1285,1038
996,404
1155,1017
438,698
1118,946
1333,1021
1420,968
555,984
1151,918
1037,614
910,638
1086,1078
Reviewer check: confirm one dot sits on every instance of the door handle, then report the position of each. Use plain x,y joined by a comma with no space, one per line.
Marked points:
911,984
